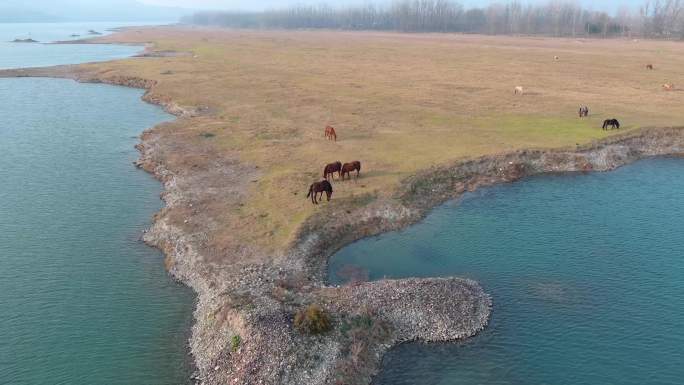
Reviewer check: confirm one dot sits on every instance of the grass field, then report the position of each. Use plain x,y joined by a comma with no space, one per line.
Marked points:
399,102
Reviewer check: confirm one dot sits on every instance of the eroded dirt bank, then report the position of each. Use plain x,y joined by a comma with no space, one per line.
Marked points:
255,295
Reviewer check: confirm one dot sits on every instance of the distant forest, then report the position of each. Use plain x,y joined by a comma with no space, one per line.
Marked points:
654,19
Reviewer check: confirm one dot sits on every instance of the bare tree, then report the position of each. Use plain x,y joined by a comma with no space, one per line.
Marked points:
656,18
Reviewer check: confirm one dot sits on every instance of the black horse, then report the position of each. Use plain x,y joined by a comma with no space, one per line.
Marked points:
613,123
319,187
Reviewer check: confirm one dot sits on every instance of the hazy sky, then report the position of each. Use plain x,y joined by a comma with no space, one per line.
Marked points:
608,5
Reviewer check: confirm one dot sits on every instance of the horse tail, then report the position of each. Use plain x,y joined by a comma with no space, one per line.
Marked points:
310,189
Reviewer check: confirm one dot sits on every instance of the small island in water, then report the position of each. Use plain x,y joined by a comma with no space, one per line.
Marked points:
27,40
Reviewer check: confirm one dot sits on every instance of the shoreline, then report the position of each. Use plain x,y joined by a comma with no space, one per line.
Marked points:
427,190
241,300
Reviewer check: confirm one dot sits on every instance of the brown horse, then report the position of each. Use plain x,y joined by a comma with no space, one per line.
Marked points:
331,169
330,133
319,187
349,167
649,66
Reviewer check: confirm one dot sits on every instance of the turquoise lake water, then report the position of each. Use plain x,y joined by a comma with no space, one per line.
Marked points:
82,299
586,274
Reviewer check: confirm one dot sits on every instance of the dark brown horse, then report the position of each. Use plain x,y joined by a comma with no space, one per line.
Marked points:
331,169
319,187
349,167
330,133
649,66
613,123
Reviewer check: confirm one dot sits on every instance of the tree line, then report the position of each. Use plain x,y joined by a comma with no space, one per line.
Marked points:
654,19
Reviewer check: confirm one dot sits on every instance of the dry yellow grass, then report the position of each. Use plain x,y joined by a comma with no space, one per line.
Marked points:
399,102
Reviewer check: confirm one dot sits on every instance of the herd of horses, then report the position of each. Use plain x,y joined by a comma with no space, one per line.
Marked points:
612,123
584,110
345,169
342,169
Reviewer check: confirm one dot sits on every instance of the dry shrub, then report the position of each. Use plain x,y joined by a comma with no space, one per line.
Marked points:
363,331
312,319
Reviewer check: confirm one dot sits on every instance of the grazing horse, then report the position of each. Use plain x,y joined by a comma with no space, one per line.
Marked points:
330,133
319,187
519,90
668,87
349,167
649,66
613,123
331,169
556,58
583,111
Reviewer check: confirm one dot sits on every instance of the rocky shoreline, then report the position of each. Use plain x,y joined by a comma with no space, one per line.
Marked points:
257,300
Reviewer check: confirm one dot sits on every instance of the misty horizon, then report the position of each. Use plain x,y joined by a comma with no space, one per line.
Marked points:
174,10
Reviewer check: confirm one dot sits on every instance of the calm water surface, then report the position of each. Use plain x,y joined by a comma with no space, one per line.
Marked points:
82,300
22,55
586,274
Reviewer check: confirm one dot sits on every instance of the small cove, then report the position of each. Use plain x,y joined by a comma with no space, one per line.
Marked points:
585,271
